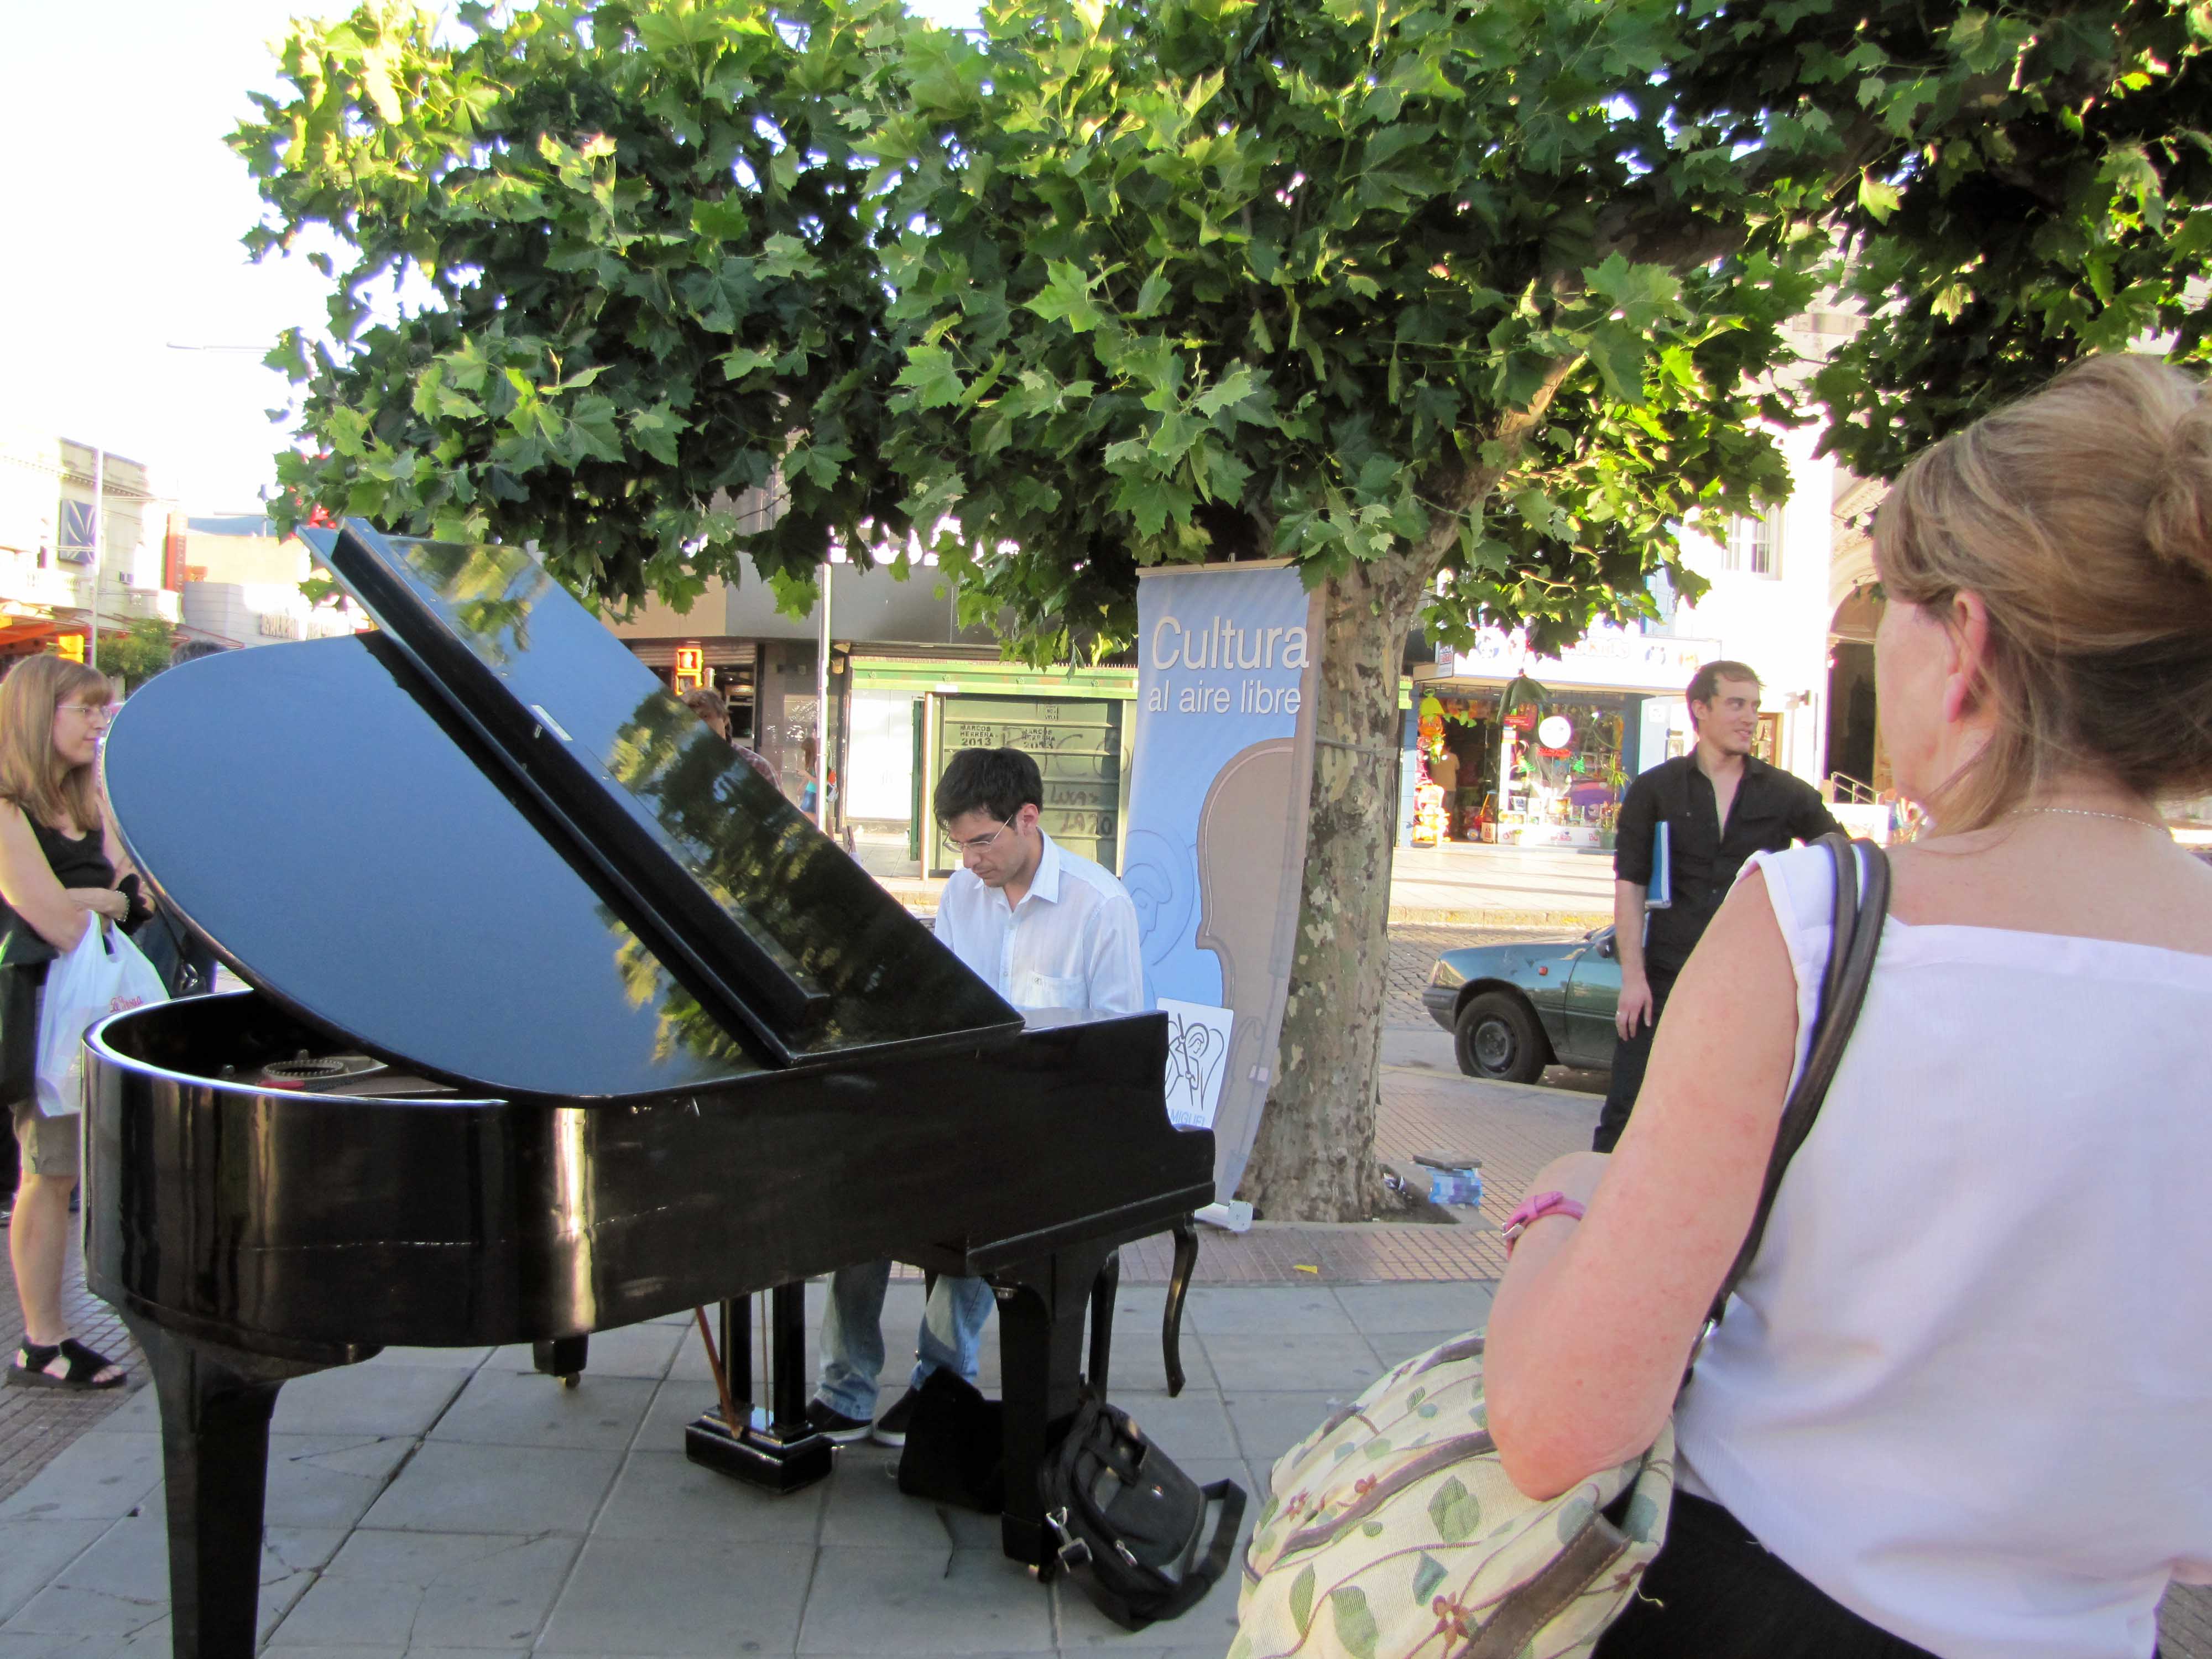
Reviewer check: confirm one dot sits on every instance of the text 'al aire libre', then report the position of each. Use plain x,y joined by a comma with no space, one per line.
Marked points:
1224,645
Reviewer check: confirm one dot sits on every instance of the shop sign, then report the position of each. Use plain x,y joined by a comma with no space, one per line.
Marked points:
1607,656
277,625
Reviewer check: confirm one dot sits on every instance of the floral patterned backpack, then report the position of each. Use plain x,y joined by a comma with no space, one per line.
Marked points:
1392,1532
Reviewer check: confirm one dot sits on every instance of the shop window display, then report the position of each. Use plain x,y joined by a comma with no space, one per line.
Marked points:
1565,769
1454,796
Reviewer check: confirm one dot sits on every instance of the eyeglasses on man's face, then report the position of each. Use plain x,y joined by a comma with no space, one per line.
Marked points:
91,711
979,843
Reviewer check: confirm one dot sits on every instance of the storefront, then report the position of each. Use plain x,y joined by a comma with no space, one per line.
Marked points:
911,714
1519,749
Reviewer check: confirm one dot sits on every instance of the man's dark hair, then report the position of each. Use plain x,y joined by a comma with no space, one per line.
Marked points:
193,650
1707,680
999,781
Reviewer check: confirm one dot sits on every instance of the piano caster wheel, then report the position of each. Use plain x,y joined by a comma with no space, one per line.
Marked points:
562,1358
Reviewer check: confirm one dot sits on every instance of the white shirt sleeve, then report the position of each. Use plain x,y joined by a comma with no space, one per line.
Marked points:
1115,969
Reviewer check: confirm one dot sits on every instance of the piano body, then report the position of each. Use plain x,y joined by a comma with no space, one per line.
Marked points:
562,1019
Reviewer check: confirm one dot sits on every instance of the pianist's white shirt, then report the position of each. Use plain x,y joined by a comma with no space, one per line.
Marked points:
1072,942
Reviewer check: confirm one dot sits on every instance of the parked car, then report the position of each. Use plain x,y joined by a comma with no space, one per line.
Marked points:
1514,1009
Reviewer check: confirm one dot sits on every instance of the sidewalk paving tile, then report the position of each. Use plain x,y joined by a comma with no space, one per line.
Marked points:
328,1480
445,1589
700,1596
1380,1310
119,1588
451,1359
1251,1363
100,1477
1215,1310
521,1408
447,1486
661,1493
1269,1424
32,1553
864,1509
676,1403
1191,1426
923,1601
352,1399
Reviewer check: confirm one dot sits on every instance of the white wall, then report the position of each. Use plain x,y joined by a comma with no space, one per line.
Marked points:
1779,624
258,613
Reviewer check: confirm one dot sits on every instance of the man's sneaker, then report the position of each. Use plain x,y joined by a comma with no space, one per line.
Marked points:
825,1419
890,1428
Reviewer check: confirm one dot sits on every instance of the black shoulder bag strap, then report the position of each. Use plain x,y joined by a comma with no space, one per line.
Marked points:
1854,939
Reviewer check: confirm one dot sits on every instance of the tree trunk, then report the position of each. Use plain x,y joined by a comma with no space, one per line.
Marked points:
1315,1157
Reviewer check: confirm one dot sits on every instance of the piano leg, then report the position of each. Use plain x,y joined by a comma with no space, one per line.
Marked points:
1103,1290
563,1356
216,1404
1185,1264
1042,1306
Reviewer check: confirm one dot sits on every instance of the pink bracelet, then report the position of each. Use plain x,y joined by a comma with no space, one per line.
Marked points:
1535,1208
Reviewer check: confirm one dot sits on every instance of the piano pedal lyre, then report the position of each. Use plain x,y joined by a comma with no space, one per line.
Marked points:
775,1448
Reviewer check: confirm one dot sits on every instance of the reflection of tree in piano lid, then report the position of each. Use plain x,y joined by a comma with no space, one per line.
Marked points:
492,590
684,1026
754,852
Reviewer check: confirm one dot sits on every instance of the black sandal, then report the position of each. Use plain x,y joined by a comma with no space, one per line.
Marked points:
34,1367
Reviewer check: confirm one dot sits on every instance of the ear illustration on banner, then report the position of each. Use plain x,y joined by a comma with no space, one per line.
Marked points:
1162,883
1198,1043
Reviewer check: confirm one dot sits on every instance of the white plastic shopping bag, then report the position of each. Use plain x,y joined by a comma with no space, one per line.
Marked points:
103,974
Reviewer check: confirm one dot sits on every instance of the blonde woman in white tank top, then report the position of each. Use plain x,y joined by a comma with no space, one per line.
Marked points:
1963,1402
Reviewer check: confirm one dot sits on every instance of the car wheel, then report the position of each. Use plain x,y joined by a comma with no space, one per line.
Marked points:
1498,1038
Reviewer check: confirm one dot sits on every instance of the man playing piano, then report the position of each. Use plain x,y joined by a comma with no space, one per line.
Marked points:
1045,928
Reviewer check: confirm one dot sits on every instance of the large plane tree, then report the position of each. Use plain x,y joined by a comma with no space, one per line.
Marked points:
1460,304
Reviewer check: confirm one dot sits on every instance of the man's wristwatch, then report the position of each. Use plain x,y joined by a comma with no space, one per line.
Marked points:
1535,1208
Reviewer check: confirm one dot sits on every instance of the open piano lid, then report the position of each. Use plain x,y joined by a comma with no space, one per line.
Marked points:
486,843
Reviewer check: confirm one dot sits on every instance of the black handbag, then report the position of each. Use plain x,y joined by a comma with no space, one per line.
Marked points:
955,1449
1131,1525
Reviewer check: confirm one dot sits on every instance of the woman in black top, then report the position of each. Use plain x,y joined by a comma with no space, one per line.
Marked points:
58,860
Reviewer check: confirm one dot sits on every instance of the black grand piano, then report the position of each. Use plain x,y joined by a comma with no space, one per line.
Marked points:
562,1019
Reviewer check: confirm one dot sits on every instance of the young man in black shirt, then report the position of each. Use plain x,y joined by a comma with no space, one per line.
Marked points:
1720,806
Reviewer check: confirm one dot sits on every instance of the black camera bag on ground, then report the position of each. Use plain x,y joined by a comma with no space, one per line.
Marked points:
1131,1526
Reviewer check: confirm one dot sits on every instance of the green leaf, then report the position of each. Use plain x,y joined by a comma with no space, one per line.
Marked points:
1231,389
721,219
1301,1597
1066,298
1453,1511
932,375
1618,352
1355,1623
1428,1573
1879,199
744,360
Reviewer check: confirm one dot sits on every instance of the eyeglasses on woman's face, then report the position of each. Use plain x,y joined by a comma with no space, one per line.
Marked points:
99,713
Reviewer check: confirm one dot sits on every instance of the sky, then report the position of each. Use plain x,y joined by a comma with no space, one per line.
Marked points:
121,210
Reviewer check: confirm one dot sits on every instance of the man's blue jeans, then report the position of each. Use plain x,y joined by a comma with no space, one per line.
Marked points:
852,1334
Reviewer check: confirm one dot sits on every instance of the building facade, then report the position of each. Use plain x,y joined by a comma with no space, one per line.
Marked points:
241,585
84,543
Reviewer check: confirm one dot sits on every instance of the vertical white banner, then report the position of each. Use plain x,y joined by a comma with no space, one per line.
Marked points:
1227,664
